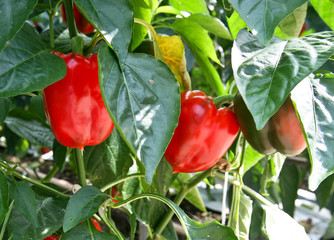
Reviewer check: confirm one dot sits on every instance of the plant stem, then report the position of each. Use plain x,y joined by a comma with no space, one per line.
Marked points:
50,174
52,38
110,225
80,166
110,185
223,99
70,18
179,197
4,225
38,184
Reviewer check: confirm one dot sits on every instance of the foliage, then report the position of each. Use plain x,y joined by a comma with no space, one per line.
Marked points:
150,51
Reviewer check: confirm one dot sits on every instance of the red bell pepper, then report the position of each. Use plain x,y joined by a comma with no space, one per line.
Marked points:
80,21
74,106
203,135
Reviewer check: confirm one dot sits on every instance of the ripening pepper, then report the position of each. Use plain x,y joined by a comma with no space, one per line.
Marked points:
80,21
74,106
203,135
282,133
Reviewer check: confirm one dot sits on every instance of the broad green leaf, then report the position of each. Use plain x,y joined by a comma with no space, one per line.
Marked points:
194,230
82,205
26,65
144,103
30,127
167,9
107,161
325,9
196,36
262,16
142,9
314,98
278,225
192,6
256,221
37,106
202,48
289,181
113,19
3,196
50,213
25,201
212,25
13,13
59,154
6,105
330,231
235,24
85,232
272,171
325,191
252,157
245,215
291,26
194,196
266,75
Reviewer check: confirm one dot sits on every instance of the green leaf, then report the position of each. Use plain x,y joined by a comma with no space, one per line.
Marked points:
26,65
266,75
272,171
14,13
59,154
289,181
325,9
30,127
141,9
278,225
262,16
3,196
202,48
194,230
6,105
113,19
85,232
194,196
50,213
82,205
37,106
235,24
144,102
245,215
330,231
252,157
192,6
325,191
196,36
25,201
212,25
291,26
107,161
314,98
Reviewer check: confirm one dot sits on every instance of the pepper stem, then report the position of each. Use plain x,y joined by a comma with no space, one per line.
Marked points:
70,18
223,99
80,166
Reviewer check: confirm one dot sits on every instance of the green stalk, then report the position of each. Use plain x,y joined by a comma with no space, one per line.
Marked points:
110,185
179,198
4,225
80,166
70,18
50,174
111,226
36,183
223,99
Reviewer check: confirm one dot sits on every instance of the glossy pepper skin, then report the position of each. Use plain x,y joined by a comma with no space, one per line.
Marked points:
80,21
74,106
203,135
282,133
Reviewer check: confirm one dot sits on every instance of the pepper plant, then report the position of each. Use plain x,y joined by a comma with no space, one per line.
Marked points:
102,84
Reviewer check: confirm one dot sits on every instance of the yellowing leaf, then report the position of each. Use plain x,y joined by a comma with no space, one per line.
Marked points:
172,49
